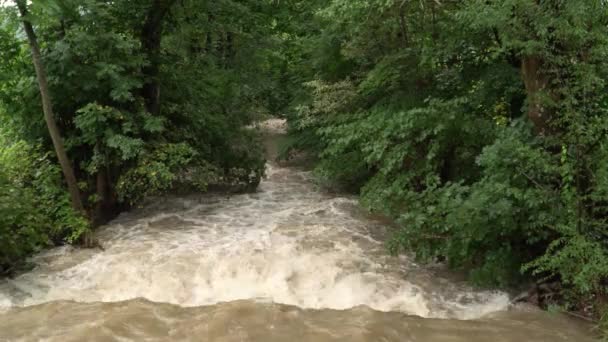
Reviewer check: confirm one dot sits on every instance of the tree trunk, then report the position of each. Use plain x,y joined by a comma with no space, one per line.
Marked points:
403,23
151,35
536,84
64,161
230,49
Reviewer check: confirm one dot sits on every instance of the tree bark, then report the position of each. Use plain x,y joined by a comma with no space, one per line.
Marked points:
230,50
151,35
536,83
403,23
64,161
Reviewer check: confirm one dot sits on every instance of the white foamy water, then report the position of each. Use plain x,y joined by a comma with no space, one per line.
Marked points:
288,243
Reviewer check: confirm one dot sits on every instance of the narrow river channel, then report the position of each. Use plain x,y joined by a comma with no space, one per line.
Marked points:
287,263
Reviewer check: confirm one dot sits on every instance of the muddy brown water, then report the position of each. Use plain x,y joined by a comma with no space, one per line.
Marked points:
287,263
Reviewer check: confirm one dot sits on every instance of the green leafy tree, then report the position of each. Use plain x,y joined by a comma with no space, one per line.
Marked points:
49,116
477,125
106,63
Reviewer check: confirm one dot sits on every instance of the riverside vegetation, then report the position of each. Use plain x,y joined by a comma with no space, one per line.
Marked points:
478,126
147,96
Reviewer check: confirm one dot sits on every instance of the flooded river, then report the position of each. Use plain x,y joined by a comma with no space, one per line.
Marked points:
287,263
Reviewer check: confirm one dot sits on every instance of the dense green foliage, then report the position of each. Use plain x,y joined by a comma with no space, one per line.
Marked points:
34,208
479,126
149,96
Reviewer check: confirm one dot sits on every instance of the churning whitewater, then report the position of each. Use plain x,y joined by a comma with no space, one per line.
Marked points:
288,243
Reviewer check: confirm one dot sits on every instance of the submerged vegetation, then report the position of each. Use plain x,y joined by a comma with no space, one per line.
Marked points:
478,126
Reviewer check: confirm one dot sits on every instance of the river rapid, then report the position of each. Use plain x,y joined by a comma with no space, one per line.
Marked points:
286,263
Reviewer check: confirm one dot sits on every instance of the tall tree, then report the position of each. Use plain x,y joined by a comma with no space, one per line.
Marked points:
47,106
151,35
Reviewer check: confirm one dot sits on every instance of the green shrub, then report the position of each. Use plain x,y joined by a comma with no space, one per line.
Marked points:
35,210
